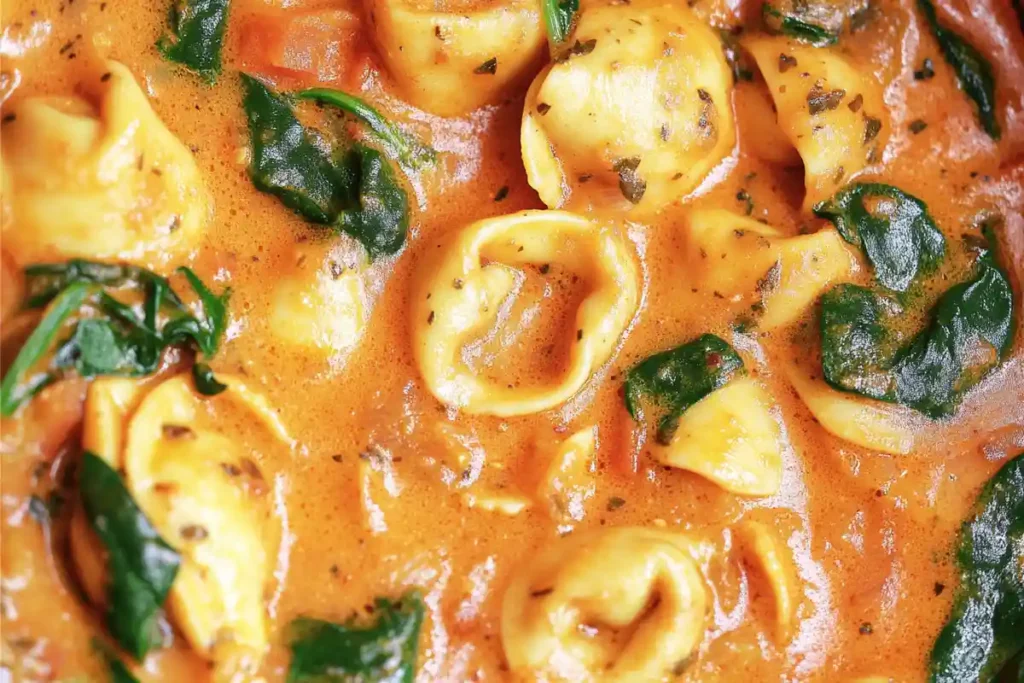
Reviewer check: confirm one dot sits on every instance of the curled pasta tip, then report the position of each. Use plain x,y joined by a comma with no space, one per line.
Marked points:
830,111
99,178
625,604
773,559
452,62
457,297
636,112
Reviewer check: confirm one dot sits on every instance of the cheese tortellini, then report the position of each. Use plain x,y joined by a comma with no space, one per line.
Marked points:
738,256
773,559
881,426
321,303
832,113
98,177
205,498
568,481
624,605
461,286
637,111
730,437
452,60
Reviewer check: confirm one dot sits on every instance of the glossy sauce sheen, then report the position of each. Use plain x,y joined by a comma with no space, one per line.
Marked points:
870,533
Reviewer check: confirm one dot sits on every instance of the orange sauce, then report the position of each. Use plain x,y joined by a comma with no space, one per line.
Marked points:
870,533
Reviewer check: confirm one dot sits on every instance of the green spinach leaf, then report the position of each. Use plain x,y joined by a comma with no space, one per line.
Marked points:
798,27
972,69
141,566
384,650
195,35
898,236
672,381
969,334
16,388
354,190
986,627
110,337
410,151
559,16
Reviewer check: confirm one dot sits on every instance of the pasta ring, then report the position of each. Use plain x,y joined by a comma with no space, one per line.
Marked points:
457,295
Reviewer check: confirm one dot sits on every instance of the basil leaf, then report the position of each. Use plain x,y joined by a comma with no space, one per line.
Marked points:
986,626
384,650
972,69
15,389
354,190
206,330
141,566
969,334
672,381
796,27
98,347
410,151
898,236
195,35
204,380
558,18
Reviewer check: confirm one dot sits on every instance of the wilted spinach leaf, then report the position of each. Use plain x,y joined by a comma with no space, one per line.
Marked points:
141,566
969,334
986,627
115,338
672,381
972,70
410,151
196,34
384,650
894,229
353,190
800,28
558,18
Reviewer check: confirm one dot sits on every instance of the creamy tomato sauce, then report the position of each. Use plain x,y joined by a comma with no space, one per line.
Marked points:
869,534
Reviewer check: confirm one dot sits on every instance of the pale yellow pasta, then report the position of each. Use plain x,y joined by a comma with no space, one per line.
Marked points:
509,503
569,482
730,437
456,297
204,498
99,177
832,112
766,552
637,114
321,303
758,126
625,605
441,55
881,426
736,255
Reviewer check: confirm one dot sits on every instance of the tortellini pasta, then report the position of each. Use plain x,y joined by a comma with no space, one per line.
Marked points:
774,559
460,288
730,437
322,303
625,604
204,498
454,59
736,255
759,130
832,113
568,482
638,110
884,427
98,178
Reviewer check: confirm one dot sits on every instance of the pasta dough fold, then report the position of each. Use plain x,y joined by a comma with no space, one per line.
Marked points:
99,177
204,498
830,111
637,112
625,604
453,60
460,288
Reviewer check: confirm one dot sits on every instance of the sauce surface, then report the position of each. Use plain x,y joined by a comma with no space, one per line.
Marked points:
870,534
